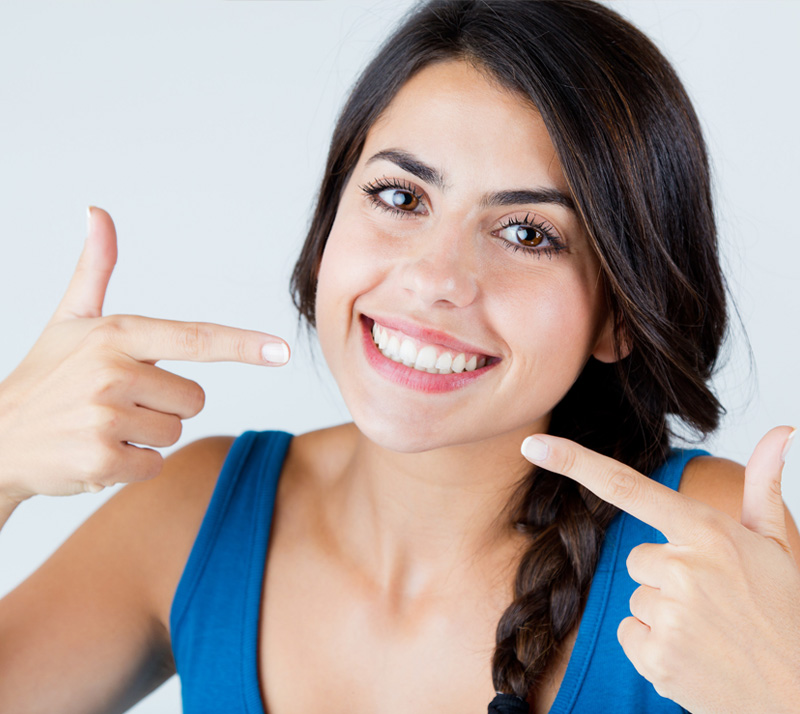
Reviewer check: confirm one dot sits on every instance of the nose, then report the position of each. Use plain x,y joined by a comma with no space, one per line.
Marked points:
442,270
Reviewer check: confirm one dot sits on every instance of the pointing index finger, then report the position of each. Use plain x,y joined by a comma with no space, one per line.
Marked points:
148,339
677,516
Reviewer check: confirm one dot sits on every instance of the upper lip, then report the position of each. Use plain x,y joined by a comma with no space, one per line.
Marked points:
428,334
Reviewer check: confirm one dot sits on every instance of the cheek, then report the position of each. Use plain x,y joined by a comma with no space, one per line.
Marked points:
554,320
348,269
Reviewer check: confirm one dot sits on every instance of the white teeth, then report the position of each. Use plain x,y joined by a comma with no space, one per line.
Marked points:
443,363
408,353
426,358
393,349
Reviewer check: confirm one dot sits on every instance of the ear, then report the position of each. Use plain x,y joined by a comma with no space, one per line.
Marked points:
606,348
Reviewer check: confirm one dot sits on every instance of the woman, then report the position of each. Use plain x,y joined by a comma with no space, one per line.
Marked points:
513,237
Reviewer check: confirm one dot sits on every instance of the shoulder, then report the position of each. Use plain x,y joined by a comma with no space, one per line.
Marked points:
720,483
715,481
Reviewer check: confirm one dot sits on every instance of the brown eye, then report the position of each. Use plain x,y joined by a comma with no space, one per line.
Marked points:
399,199
529,236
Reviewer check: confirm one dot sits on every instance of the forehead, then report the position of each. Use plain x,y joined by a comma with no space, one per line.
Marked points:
455,117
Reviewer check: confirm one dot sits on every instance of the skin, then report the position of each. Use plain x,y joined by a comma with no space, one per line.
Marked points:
392,518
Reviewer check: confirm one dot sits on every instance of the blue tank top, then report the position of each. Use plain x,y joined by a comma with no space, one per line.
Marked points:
215,613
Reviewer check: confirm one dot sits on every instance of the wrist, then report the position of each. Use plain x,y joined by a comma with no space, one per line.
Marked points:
7,507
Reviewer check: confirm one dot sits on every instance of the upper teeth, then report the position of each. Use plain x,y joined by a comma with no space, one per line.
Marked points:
400,348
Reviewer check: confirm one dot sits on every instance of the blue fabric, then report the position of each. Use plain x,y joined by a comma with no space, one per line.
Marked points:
214,619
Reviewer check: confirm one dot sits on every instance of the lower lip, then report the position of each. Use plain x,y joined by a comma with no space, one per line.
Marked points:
413,378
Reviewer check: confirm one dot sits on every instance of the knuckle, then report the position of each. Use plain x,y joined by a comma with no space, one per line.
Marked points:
108,330
567,461
103,419
670,622
109,377
241,349
721,534
100,465
660,669
193,339
681,575
621,484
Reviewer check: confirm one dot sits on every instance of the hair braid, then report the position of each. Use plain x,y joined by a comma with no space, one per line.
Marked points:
566,531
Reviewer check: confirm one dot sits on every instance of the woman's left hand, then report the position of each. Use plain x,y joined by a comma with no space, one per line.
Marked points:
716,619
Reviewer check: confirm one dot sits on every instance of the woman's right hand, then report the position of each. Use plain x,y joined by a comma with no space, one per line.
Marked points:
89,390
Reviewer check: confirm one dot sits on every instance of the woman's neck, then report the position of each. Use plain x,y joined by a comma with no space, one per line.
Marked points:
423,524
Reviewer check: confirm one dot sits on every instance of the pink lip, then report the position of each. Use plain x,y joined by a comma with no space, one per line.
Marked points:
412,378
425,334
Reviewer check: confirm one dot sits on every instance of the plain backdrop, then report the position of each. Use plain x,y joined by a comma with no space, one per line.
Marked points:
202,127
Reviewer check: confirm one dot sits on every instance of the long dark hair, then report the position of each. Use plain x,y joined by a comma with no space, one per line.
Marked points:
632,152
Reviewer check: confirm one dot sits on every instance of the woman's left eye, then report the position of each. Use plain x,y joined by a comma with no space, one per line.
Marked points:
527,234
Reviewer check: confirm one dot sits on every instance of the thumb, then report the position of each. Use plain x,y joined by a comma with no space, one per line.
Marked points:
762,504
87,289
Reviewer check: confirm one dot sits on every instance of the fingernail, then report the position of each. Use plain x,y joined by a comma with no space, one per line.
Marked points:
788,444
275,352
88,218
534,449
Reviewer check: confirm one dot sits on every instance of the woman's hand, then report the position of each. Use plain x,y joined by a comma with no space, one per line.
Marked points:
716,619
89,389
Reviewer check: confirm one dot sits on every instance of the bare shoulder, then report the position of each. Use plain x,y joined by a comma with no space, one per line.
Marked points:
93,619
720,483
715,481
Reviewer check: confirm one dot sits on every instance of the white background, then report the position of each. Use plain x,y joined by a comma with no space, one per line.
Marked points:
202,128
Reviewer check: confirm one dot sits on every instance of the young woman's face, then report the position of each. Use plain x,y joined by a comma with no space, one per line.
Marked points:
456,234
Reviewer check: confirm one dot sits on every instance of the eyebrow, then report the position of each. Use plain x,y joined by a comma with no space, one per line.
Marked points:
409,162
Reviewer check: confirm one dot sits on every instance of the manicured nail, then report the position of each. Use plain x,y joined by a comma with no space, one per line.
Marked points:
788,444
534,449
275,352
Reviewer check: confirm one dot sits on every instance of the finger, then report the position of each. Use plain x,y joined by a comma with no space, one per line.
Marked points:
648,564
141,464
762,504
632,634
163,391
145,426
149,339
678,517
643,604
134,463
87,289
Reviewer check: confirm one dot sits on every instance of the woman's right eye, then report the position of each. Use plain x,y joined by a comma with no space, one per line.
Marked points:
399,199
394,197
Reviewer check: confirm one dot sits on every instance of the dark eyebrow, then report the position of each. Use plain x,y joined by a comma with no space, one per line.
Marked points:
409,162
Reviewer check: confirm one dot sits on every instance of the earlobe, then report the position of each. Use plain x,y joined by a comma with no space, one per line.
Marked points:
606,348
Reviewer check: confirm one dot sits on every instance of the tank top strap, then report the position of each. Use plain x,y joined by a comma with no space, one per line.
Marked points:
599,675
668,474
215,612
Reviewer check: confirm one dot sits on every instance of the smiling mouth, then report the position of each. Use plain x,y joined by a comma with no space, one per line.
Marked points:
422,356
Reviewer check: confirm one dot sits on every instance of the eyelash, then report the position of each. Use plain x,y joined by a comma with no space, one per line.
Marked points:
555,244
